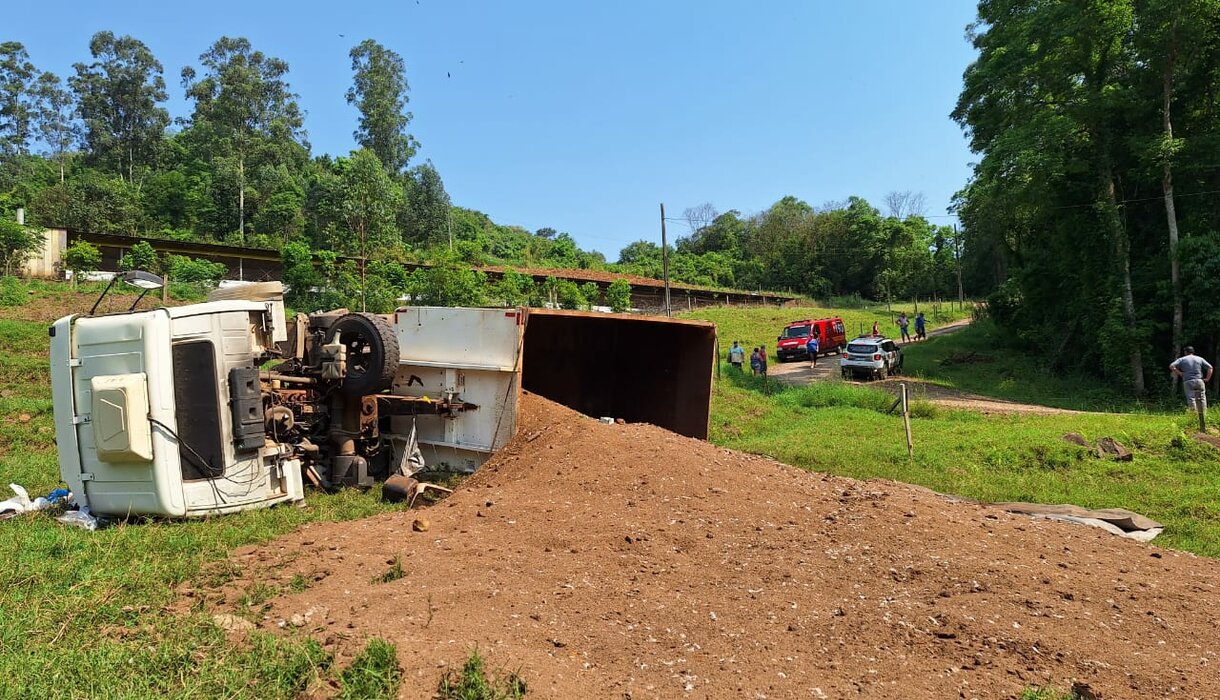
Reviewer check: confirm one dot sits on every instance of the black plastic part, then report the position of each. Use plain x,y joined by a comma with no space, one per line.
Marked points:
351,470
246,405
197,410
398,488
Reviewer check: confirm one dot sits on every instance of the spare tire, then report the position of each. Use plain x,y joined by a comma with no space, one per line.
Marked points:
372,352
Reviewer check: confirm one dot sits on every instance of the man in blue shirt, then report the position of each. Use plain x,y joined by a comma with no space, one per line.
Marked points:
813,347
921,327
1195,372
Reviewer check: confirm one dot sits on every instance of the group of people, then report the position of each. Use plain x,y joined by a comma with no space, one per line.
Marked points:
758,359
904,325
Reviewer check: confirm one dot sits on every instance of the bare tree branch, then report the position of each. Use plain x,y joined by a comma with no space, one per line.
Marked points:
905,204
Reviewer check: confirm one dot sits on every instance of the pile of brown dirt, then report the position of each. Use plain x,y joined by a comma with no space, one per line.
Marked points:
625,561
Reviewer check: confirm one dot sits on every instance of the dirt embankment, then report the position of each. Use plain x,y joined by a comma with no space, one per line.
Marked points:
609,561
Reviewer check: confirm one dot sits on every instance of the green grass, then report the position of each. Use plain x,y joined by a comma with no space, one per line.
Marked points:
1047,694
976,360
753,325
473,683
374,675
87,614
394,573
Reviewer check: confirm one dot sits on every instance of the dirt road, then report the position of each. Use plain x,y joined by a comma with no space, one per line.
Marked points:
623,561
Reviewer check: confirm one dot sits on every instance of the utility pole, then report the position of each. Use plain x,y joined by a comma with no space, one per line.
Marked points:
665,260
957,255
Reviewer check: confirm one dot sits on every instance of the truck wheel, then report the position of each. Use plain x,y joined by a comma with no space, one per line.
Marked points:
372,353
883,374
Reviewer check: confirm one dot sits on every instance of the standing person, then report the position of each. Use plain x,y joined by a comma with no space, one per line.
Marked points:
921,327
1195,372
754,362
813,347
762,360
737,356
876,329
904,324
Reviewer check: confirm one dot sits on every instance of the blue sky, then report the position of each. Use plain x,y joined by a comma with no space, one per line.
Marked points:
584,116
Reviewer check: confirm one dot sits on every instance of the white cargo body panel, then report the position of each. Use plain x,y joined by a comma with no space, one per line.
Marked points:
470,354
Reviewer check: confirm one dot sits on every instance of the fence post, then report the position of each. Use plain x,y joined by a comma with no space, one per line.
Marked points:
906,421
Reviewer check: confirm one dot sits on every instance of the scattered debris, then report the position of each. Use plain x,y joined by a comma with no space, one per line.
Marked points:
1076,439
1112,448
232,623
421,524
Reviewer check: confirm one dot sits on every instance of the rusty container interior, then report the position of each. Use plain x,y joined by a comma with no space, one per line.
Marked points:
642,369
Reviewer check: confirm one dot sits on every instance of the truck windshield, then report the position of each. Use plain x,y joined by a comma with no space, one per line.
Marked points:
796,332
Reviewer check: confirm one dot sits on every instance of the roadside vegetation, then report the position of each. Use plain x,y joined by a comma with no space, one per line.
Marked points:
980,359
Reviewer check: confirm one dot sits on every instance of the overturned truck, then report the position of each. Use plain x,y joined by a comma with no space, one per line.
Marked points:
229,405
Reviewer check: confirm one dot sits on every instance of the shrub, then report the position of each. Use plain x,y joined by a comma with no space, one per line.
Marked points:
81,256
618,296
195,274
17,244
13,292
140,257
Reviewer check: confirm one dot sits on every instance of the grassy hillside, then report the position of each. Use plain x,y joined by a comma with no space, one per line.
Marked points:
977,360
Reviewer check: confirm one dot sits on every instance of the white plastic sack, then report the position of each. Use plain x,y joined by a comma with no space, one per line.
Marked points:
17,504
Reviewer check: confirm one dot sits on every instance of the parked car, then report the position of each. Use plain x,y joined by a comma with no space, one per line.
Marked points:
790,345
870,356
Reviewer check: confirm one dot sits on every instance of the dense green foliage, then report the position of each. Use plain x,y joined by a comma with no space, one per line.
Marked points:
842,248
1096,126
17,243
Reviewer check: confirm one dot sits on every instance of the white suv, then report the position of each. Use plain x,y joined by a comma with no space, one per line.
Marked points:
871,356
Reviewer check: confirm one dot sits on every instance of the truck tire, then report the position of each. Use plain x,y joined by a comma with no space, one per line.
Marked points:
372,353
883,374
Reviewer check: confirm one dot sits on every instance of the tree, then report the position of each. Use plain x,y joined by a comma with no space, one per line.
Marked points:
17,244
379,91
56,118
117,97
243,107
618,295
80,257
906,204
699,216
425,215
1045,105
514,288
16,99
370,199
